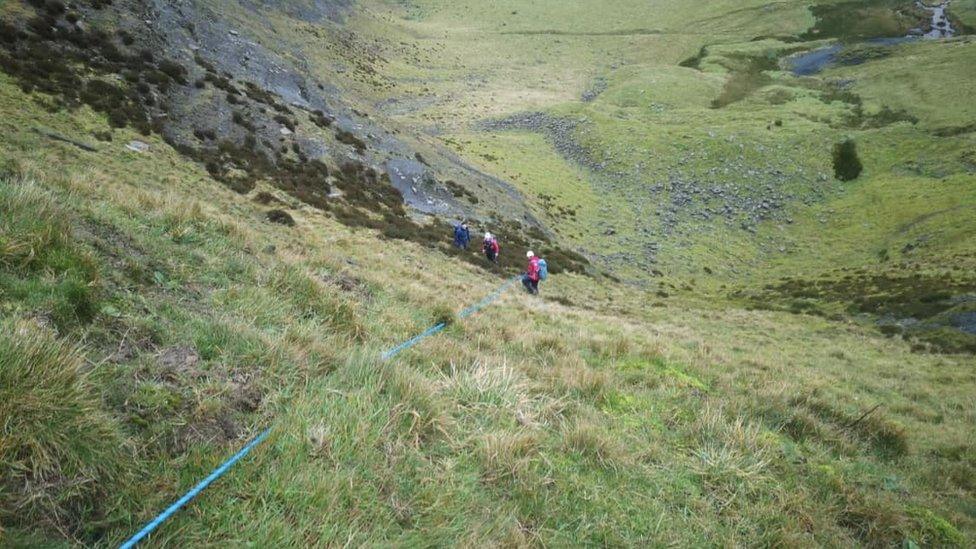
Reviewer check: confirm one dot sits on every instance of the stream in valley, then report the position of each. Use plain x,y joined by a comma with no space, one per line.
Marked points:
814,61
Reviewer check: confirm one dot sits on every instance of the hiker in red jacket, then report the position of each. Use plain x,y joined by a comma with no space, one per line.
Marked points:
531,277
491,248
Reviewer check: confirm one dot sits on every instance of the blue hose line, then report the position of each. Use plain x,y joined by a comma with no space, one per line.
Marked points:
440,326
217,473
413,341
488,300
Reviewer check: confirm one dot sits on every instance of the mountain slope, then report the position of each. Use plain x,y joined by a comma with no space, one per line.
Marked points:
154,316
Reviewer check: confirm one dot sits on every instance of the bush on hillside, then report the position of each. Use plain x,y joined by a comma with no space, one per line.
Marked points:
847,165
281,217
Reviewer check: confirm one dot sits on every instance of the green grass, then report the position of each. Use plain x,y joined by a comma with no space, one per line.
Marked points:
66,462
447,67
927,93
497,414
39,267
599,414
559,192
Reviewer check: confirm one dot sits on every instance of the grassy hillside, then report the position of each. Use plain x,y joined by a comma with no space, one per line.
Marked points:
735,392
168,318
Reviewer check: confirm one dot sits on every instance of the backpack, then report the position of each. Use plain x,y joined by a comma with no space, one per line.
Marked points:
543,269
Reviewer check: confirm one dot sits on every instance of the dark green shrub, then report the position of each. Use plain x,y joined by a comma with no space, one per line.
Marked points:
847,165
285,121
281,217
320,119
349,138
174,70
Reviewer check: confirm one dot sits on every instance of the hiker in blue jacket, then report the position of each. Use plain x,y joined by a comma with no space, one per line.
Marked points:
462,236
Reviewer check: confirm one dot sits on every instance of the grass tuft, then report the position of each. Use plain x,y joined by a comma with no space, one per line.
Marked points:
588,439
62,458
509,458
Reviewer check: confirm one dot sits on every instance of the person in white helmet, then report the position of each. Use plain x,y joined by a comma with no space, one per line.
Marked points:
490,247
531,277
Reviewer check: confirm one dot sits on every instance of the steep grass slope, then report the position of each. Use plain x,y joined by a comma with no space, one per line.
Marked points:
738,392
153,319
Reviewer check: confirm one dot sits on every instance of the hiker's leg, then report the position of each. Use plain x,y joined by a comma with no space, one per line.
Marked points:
527,283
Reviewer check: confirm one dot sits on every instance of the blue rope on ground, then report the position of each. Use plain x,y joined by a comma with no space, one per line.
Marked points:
440,326
488,300
219,471
413,341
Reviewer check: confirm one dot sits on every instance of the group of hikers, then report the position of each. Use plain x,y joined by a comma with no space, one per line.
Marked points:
536,269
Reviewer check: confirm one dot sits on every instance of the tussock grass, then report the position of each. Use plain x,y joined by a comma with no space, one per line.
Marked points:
419,414
510,458
485,386
64,460
32,227
587,438
730,456
579,381
522,409
311,300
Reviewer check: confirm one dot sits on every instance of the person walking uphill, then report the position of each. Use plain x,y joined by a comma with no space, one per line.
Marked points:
531,277
462,236
491,248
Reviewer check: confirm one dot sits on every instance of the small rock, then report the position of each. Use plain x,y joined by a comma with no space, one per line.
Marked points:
137,146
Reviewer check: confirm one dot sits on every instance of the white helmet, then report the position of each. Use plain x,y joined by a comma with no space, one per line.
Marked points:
529,253
487,236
